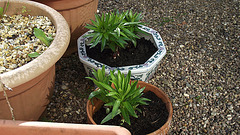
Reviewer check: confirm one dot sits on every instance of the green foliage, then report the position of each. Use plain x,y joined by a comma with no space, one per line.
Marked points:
1,12
25,11
4,10
119,93
42,36
134,21
100,76
33,55
113,30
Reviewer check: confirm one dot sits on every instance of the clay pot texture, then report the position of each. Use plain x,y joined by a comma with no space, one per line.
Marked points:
92,109
9,127
33,83
77,13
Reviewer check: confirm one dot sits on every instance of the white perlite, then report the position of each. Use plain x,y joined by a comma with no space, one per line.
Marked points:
17,39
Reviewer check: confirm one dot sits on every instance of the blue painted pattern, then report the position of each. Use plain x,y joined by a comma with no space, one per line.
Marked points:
144,73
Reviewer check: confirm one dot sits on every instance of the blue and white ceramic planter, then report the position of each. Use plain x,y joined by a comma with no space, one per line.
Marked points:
141,72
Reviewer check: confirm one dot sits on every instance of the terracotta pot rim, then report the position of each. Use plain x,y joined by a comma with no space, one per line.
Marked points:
39,65
53,128
68,4
168,105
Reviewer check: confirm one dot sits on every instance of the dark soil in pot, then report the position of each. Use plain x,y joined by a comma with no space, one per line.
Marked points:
153,116
129,56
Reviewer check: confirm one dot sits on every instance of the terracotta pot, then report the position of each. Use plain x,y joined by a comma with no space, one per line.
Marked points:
9,127
77,13
33,83
92,109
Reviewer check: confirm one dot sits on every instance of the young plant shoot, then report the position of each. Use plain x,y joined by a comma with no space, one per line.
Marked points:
114,30
120,95
3,10
43,38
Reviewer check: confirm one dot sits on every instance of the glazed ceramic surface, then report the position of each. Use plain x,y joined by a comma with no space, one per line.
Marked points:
141,72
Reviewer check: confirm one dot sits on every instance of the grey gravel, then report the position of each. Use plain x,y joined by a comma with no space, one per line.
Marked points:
200,71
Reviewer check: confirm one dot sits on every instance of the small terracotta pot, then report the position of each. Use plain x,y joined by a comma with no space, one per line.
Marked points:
33,83
92,109
77,13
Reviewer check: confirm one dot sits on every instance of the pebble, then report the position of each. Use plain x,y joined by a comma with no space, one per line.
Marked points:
229,117
186,95
77,112
188,85
64,87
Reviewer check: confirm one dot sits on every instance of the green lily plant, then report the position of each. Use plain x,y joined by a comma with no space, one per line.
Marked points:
4,10
115,30
119,94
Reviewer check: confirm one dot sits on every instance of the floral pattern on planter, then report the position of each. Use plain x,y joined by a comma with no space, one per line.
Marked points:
141,72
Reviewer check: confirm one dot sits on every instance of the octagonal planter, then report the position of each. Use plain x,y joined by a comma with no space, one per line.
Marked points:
141,72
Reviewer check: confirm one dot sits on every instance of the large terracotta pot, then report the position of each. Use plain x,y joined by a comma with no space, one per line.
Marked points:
33,83
77,13
9,127
92,109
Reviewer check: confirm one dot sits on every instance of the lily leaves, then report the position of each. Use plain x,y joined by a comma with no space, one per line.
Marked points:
42,36
1,12
4,10
119,94
114,30
33,55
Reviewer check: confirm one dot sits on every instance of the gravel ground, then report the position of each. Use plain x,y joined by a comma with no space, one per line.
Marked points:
200,71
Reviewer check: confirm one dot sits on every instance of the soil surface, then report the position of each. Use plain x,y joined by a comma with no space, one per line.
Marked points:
129,56
153,116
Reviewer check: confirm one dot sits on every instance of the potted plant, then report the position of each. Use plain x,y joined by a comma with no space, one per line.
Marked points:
77,13
119,98
32,84
9,127
113,40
